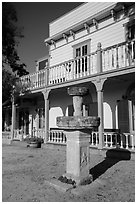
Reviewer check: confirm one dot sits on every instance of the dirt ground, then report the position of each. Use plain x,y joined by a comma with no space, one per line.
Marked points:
24,171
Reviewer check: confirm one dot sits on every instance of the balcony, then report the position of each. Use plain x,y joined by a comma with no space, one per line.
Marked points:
118,56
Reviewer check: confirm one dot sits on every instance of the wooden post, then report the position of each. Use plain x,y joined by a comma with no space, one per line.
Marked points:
46,97
13,117
99,58
99,87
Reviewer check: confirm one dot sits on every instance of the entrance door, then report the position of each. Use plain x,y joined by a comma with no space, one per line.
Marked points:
24,121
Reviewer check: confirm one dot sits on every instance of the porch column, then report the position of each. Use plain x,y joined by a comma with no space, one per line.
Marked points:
99,87
13,125
46,98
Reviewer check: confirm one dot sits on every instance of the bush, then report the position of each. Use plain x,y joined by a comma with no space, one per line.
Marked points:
34,139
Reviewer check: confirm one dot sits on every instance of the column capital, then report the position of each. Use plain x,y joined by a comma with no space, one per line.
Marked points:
46,93
99,82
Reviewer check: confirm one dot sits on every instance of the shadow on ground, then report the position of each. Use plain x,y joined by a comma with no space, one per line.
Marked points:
113,156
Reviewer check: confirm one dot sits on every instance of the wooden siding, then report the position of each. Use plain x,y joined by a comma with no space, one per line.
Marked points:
77,15
108,36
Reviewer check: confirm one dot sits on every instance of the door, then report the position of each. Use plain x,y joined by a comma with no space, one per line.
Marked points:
123,116
81,59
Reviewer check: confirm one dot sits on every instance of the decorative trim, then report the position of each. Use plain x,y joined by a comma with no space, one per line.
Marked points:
86,26
72,34
113,13
95,23
53,43
65,37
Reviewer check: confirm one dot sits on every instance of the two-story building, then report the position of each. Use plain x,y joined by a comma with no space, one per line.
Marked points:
91,46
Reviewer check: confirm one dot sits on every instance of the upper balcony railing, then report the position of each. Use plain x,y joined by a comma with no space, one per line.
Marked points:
121,55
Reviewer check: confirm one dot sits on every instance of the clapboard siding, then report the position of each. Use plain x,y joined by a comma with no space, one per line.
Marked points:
109,35
75,16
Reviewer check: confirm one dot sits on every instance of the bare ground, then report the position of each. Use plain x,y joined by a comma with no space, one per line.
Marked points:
24,171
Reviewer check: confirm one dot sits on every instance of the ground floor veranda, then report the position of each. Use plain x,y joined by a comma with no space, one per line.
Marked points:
112,99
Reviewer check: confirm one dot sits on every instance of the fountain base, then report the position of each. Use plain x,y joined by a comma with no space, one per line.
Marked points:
77,161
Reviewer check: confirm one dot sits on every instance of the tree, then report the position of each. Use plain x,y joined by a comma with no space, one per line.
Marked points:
10,58
10,34
8,80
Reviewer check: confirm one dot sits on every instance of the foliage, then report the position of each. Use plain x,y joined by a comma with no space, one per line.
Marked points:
8,80
10,34
34,139
12,85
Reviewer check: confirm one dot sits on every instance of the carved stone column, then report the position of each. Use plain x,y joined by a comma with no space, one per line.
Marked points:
46,98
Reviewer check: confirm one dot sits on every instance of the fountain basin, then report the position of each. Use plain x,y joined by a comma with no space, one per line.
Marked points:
77,91
78,122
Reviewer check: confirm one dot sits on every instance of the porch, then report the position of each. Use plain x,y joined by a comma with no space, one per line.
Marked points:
116,57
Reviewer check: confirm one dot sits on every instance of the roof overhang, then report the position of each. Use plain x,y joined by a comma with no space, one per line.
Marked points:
89,22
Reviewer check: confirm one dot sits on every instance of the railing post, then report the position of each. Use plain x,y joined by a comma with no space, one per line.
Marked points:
47,76
99,58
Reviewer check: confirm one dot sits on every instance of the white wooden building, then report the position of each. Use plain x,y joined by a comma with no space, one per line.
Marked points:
92,46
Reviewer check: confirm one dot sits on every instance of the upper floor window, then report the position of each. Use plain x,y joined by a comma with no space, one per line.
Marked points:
43,64
80,53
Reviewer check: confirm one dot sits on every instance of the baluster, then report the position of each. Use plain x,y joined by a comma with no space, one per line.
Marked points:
76,68
111,141
132,136
71,70
116,139
115,58
96,138
88,65
127,55
104,60
121,137
126,141
106,140
61,74
108,62
120,56
92,138
52,75
83,65
91,65
80,67
117,62
132,51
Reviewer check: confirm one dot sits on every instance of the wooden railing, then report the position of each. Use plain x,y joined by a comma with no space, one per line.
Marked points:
118,56
111,139
57,137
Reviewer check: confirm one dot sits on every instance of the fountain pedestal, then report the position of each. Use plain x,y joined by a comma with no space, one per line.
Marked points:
77,129
77,157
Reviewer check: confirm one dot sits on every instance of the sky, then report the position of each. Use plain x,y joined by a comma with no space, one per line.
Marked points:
35,17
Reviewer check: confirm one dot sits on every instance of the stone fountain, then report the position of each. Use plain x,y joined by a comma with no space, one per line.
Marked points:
77,129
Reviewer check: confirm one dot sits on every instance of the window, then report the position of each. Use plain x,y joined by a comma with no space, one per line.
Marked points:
43,64
81,52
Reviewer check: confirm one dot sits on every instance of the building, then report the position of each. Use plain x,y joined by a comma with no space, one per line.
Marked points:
92,46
